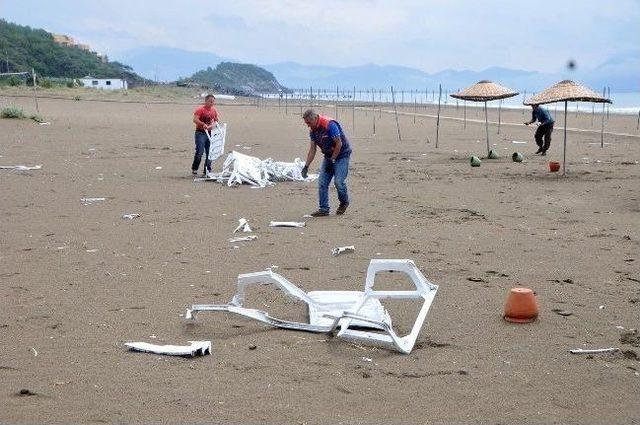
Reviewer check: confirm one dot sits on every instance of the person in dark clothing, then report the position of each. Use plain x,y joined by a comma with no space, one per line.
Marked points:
543,133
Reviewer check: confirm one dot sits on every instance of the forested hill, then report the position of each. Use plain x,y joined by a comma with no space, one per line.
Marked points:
24,48
237,78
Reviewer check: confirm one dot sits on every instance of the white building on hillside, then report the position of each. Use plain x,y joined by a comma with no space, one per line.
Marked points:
104,83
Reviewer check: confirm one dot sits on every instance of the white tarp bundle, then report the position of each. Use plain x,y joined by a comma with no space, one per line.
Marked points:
239,168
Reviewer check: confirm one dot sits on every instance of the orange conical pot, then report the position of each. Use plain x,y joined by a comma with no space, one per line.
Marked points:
521,306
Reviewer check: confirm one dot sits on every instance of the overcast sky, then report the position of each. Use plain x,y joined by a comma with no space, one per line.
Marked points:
537,35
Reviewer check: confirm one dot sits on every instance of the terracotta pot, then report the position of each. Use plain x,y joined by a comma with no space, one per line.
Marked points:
554,166
521,306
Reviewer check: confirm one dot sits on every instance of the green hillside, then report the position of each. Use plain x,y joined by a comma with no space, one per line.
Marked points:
25,48
237,78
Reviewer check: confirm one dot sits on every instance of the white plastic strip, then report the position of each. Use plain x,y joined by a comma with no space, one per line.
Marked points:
287,224
196,348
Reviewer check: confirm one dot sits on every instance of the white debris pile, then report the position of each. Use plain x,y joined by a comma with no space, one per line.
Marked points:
239,168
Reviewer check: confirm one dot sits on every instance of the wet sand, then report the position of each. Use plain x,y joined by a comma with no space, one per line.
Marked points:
79,280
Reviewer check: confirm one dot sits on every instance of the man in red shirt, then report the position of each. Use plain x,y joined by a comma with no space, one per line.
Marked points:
205,118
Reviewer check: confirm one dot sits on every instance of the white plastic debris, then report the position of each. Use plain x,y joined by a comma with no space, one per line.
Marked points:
20,167
243,239
239,168
594,351
518,142
343,313
196,348
217,138
130,216
287,224
89,201
158,168
243,225
342,249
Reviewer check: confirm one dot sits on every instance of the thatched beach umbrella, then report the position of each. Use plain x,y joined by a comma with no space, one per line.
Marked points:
485,91
566,91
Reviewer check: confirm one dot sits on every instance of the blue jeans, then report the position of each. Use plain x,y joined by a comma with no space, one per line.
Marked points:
202,146
339,173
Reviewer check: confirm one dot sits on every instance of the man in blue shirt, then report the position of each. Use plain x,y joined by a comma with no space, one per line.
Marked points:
327,134
544,130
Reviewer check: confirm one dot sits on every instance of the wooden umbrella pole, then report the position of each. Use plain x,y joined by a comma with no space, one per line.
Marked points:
395,110
564,151
286,103
464,110
373,109
499,114
415,108
353,111
602,125
638,122
35,92
438,119
337,98
486,124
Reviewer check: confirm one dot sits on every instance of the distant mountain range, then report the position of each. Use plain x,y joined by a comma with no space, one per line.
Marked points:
621,73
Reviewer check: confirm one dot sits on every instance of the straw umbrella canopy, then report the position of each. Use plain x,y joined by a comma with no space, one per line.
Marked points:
485,91
566,91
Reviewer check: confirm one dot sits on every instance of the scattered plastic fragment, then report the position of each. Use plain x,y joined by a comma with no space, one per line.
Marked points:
243,239
243,225
20,167
287,224
196,348
517,142
130,216
158,168
594,351
342,249
89,201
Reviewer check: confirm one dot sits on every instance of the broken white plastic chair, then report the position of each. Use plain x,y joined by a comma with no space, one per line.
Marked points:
340,312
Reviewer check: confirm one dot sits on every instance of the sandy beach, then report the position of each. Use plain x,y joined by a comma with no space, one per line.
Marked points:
77,281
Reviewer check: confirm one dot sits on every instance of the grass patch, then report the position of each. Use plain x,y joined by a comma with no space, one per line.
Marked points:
37,118
12,112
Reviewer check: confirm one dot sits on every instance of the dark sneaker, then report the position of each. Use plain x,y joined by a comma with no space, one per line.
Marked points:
320,213
194,172
539,151
341,209
543,153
